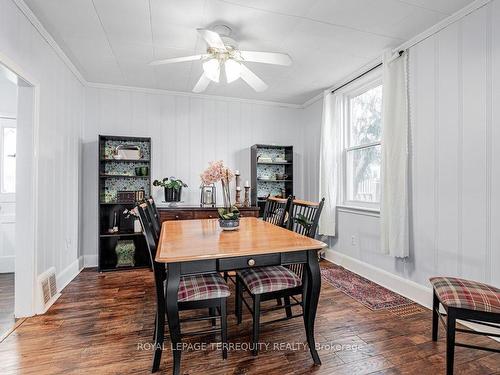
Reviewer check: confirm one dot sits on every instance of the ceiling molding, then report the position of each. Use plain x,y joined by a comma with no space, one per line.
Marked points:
408,44
457,16
145,90
28,13
313,100
21,5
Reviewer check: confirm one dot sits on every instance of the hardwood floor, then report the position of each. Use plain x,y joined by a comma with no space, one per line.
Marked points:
103,324
7,320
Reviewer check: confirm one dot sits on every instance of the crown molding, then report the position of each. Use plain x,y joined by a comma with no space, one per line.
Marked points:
146,90
457,16
32,18
408,44
21,5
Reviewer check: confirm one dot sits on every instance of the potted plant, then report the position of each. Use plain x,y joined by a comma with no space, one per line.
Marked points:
172,187
229,215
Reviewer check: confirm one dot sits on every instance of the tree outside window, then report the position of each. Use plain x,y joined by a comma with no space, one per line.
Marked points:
363,150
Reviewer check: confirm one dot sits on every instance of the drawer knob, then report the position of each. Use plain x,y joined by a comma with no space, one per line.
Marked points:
177,217
251,262
210,216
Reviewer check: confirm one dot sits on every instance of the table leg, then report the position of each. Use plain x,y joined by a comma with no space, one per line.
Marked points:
171,290
312,288
159,333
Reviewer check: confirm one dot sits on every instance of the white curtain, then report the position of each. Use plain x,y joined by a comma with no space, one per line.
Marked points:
329,162
394,175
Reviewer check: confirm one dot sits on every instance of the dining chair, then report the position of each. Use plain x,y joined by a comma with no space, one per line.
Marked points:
196,291
276,210
469,301
154,216
278,282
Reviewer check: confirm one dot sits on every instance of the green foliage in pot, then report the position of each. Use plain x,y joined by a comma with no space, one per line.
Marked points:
231,213
170,183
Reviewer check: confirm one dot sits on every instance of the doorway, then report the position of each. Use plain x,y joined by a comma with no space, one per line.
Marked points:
18,186
8,135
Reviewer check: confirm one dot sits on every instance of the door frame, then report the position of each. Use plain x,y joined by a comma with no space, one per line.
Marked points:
26,261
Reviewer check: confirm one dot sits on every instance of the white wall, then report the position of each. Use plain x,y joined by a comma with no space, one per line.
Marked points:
455,91
8,97
186,134
60,122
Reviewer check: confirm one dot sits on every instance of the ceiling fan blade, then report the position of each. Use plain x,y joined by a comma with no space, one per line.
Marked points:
275,58
202,84
178,59
253,81
212,38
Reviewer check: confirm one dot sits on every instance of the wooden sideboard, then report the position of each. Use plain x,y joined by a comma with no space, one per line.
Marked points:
196,212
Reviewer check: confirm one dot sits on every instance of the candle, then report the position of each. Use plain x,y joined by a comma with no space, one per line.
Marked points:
247,184
238,188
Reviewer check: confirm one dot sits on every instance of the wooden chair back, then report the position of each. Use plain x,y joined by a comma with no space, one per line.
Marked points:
276,210
151,211
148,231
303,218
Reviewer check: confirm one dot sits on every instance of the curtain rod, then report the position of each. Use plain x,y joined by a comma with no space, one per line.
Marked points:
362,74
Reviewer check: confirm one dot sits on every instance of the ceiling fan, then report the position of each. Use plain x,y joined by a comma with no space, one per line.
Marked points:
223,54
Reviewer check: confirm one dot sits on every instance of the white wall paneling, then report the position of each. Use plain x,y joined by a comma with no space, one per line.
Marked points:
454,85
61,99
187,133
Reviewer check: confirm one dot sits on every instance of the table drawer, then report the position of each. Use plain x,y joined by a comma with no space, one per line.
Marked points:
207,214
175,215
235,263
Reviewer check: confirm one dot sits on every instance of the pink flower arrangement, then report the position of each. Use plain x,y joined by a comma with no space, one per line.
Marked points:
216,172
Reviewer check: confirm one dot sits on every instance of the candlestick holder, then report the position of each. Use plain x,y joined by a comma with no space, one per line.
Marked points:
246,202
237,202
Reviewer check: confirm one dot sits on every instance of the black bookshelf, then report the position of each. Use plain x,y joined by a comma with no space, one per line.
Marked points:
264,181
119,175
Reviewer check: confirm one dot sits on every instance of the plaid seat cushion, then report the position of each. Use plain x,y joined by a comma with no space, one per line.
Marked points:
466,294
201,287
269,279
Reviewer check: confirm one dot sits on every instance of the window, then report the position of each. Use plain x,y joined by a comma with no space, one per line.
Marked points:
8,159
362,150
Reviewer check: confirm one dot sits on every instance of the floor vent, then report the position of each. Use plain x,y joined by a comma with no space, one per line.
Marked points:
48,288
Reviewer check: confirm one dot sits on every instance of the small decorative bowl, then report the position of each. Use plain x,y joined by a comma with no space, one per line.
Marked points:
229,224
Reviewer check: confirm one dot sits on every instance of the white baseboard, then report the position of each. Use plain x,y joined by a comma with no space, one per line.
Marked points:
89,260
7,264
68,274
407,288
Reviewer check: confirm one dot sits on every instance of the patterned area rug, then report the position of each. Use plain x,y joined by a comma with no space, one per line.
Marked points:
370,294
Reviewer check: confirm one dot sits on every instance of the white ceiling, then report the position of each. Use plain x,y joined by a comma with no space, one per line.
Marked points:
112,41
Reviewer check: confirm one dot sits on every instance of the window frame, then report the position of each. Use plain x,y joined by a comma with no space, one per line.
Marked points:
358,87
2,129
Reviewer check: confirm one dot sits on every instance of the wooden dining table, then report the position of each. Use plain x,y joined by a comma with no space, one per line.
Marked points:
200,246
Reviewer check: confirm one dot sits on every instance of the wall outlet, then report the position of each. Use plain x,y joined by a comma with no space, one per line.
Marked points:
354,240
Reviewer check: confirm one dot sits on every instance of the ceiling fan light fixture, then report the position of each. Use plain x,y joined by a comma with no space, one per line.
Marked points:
233,70
212,69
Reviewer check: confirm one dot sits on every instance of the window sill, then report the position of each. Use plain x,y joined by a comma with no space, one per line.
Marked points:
357,210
